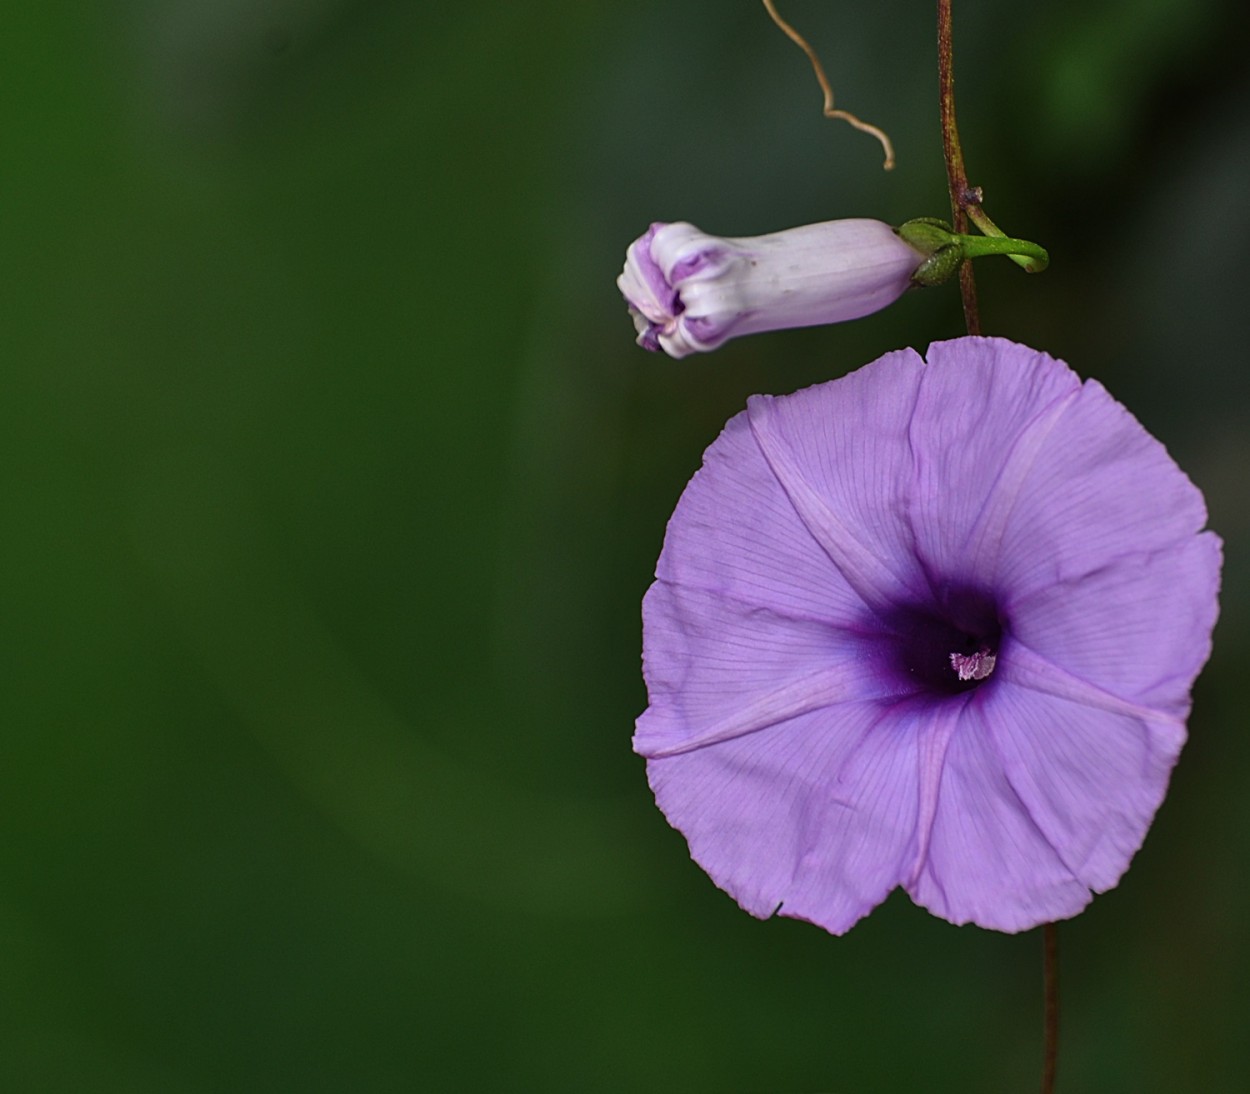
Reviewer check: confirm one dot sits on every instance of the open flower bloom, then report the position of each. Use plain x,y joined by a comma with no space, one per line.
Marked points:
689,292
930,625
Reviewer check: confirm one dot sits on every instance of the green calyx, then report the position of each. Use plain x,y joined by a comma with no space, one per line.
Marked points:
945,249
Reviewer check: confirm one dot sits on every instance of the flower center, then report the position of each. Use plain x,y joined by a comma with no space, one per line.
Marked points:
947,646
974,666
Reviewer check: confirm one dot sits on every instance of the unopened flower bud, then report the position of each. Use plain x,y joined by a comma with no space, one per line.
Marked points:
689,292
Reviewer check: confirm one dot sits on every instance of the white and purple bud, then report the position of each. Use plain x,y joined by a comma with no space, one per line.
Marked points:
689,292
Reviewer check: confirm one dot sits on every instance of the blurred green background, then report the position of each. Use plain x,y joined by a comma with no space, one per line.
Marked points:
333,480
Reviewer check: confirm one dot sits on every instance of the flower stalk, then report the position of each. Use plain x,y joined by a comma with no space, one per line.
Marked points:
961,194
965,206
1050,996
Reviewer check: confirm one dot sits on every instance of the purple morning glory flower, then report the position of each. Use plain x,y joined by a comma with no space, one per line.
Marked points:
930,625
690,292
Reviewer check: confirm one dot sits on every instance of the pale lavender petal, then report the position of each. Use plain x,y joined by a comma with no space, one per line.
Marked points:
823,273
1100,489
813,818
842,454
934,725
736,534
1090,780
1024,667
1139,627
644,284
984,408
988,862
717,668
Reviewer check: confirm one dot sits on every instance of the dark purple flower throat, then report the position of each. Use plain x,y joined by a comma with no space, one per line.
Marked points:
946,645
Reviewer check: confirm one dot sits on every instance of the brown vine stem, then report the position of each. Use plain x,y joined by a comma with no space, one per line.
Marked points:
1050,993
829,111
962,195
966,199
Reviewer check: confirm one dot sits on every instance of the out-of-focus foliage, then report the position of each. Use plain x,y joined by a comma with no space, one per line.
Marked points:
333,480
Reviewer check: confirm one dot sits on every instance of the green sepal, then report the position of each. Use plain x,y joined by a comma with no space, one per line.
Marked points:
940,266
945,249
927,234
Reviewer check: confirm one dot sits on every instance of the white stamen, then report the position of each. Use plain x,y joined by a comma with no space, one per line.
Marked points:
974,666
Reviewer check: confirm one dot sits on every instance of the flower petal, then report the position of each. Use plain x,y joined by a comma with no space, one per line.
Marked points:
1090,780
717,668
1028,669
984,408
841,453
1139,628
813,818
1101,488
988,863
735,533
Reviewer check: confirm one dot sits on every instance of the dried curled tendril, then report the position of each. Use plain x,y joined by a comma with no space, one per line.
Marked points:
823,80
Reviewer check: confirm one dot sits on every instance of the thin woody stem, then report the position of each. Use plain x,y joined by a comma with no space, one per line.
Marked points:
1050,993
827,90
963,199
961,194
